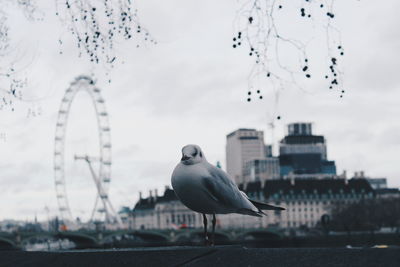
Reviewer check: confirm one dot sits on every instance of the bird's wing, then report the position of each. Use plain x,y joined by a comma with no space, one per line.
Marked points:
225,191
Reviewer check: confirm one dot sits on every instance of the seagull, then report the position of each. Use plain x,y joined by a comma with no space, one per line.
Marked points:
206,189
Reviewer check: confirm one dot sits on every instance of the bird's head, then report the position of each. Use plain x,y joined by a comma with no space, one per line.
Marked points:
192,154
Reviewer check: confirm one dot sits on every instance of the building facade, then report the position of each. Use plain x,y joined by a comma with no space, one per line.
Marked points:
242,146
163,212
305,200
303,154
261,169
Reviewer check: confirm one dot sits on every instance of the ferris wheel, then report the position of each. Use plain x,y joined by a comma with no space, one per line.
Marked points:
102,211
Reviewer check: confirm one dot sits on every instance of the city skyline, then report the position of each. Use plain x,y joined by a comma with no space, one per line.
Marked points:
154,190
191,88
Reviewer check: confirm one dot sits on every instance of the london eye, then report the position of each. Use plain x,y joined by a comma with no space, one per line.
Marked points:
103,210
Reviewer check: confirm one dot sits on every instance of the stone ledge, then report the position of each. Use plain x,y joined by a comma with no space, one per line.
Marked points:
206,256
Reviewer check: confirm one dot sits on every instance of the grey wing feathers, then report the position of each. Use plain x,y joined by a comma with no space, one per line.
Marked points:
226,192
220,189
221,176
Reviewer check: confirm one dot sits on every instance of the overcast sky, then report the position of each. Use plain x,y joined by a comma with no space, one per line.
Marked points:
190,88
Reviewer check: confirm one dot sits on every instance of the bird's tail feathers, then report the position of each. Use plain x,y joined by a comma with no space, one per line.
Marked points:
251,212
265,206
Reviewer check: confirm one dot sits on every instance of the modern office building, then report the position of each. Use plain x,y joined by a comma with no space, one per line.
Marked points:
242,146
304,155
301,155
261,169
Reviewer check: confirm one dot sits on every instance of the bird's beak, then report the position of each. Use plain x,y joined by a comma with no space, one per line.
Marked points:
184,157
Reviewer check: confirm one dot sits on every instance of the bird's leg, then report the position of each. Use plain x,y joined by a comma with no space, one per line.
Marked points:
205,229
214,221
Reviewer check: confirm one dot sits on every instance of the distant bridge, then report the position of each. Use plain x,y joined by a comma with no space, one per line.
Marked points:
93,239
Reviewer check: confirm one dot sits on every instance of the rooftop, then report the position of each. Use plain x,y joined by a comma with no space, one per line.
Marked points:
310,186
241,129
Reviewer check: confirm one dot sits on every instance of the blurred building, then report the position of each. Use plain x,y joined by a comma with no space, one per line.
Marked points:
301,155
379,185
304,155
10,225
261,169
163,212
387,193
376,183
305,200
242,146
